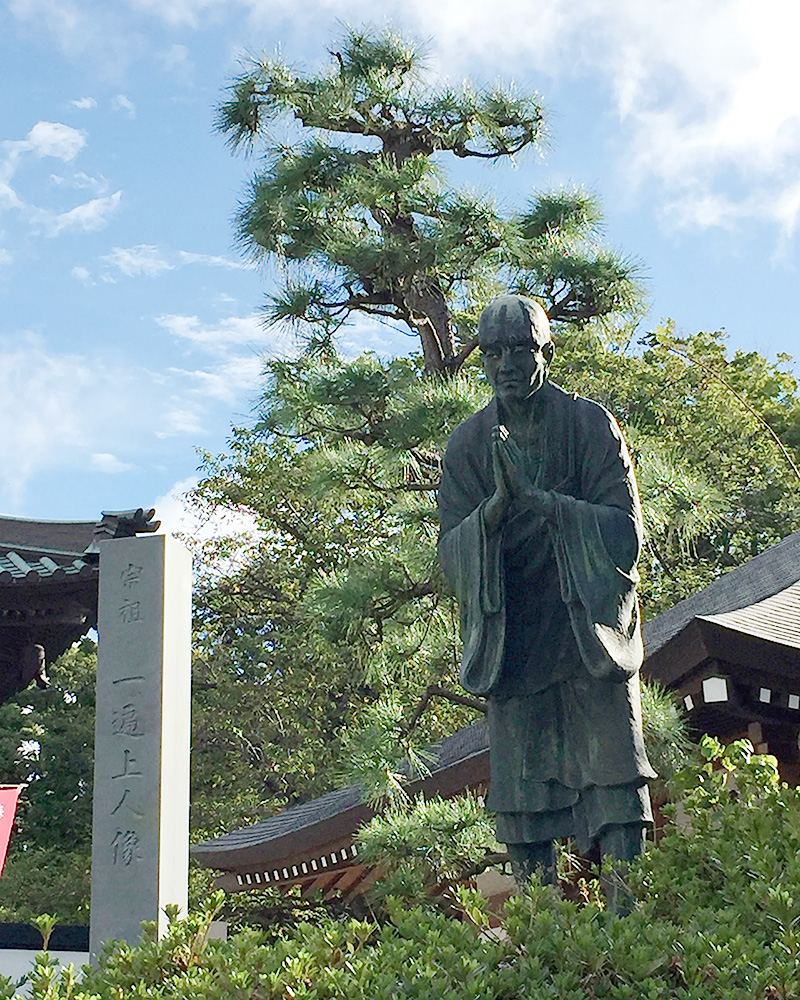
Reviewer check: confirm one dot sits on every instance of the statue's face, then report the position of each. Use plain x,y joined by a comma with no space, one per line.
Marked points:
516,366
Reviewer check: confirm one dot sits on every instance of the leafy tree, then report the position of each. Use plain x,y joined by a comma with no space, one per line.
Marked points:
47,742
716,440
359,215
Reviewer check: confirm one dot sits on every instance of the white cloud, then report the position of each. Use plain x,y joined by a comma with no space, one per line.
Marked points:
104,461
88,217
172,509
77,411
176,58
234,330
82,274
45,139
179,516
122,103
81,182
707,94
143,259
180,422
61,142
8,196
179,12
84,103
98,32
41,398
148,260
362,333
53,139
6,257
212,260
227,381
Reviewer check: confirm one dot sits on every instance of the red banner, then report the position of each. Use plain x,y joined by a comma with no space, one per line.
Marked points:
9,794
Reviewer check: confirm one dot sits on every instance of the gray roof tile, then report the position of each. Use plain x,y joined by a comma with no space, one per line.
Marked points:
776,619
23,535
470,740
763,576
14,568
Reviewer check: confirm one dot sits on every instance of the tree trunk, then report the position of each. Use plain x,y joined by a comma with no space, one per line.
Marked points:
430,317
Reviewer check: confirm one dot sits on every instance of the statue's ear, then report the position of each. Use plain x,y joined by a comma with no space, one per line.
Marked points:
549,351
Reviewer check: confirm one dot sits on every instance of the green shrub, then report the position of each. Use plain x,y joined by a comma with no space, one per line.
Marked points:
718,918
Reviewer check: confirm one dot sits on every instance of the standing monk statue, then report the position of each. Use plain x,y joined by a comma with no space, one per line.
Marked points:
540,530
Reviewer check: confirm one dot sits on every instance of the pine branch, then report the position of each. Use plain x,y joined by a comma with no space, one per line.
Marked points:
435,691
464,353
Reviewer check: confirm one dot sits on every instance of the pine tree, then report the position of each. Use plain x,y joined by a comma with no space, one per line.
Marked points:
359,215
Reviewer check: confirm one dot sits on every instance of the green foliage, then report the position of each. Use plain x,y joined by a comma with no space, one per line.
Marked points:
45,923
425,848
41,880
47,742
716,919
370,756
664,729
428,847
360,215
338,617
713,438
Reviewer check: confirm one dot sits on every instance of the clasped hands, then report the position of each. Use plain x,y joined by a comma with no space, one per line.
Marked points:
511,482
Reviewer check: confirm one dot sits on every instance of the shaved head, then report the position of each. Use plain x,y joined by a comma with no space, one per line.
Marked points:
513,318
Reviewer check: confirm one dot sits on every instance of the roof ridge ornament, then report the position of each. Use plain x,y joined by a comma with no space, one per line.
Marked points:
124,524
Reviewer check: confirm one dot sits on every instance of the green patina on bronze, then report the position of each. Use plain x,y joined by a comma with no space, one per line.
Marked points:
540,532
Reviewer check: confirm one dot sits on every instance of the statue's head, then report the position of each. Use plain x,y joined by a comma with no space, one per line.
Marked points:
514,337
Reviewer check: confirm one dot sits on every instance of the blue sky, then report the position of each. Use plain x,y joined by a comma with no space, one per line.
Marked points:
129,333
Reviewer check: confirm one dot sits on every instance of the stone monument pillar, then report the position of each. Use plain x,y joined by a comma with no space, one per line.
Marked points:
140,847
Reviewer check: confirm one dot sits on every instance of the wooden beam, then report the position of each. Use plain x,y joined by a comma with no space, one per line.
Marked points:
351,875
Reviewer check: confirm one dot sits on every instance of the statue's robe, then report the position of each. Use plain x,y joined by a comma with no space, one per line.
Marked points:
550,622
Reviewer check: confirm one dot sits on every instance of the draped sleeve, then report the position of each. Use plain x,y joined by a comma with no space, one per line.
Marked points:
597,541
471,558
595,532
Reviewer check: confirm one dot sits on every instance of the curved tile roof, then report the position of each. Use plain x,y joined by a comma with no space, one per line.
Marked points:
13,568
454,749
61,537
45,551
776,619
763,576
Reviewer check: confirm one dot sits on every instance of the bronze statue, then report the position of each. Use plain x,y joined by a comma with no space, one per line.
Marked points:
540,530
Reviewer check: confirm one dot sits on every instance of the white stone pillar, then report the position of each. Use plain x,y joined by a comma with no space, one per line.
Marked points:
140,839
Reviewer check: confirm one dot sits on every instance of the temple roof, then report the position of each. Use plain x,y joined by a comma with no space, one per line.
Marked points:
39,551
776,618
49,575
457,760
45,536
761,577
